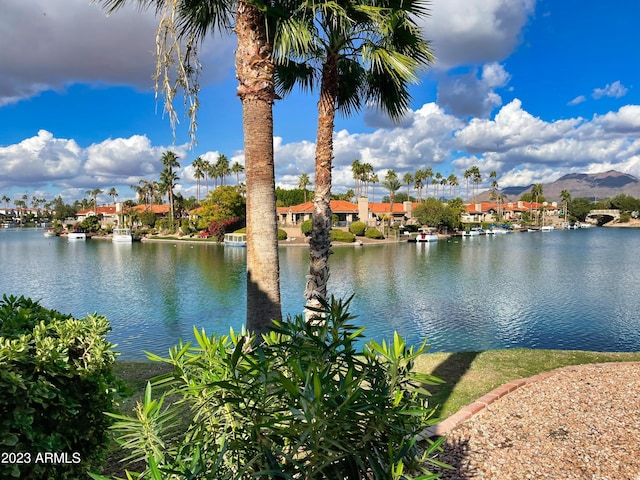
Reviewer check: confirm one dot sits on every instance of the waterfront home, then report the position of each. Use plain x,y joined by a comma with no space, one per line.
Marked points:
507,211
347,212
111,215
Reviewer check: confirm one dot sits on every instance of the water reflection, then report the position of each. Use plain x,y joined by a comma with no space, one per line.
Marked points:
571,290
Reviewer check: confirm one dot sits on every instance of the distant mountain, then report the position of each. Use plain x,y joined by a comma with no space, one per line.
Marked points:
594,186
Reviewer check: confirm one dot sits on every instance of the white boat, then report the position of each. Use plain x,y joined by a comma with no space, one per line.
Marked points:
547,228
426,237
474,232
122,235
235,239
76,236
497,231
49,232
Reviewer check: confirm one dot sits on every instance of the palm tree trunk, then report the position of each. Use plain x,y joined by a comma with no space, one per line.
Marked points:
320,243
255,74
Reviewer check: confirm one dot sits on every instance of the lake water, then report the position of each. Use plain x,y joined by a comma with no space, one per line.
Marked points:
576,289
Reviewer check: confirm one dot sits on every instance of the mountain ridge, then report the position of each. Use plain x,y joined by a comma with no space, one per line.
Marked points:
589,185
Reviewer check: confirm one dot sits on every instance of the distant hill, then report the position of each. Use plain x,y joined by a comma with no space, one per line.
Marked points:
594,186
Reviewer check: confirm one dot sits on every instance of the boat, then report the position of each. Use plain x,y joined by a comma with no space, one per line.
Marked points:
547,228
426,237
49,232
474,232
122,235
9,224
72,236
235,239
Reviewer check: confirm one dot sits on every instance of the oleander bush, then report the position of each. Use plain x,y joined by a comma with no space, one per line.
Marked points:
55,383
373,233
358,228
337,235
310,401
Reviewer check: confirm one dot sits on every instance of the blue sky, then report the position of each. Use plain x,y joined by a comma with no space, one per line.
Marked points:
533,89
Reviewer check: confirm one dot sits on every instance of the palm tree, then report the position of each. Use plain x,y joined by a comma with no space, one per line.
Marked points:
437,178
373,179
190,22
365,175
536,193
94,196
237,168
356,170
358,53
428,175
407,179
206,169
222,168
6,201
391,183
476,178
113,193
169,178
303,183
418,177
452,180
198,174
468,174
566,198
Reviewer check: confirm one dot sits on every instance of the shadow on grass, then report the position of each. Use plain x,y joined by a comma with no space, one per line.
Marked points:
451,370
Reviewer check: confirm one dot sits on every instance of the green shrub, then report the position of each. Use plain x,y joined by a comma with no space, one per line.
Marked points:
55,383
337,235
358,228
306,227
282,234
304,403
373,233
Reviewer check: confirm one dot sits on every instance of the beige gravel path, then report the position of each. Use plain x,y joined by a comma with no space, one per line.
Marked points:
579,422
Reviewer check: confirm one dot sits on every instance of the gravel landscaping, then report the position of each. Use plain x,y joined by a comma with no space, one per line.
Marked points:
580,422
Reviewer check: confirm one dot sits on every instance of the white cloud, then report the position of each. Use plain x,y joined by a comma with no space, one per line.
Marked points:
40,159
512,127
468,95
576,101
615,89
69,41
477,32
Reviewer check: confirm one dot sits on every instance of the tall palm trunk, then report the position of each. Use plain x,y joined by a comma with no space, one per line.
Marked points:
320,243
255,74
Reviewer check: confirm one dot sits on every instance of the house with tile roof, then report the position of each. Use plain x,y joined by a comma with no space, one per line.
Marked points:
110,214
347,212
507,211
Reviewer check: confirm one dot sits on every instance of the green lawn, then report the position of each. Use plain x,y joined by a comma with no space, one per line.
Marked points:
467,375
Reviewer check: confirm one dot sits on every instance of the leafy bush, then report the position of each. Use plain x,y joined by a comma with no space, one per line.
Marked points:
373,233
217,229
165,225
55,383
282,234
306,227
90,224
337,235
358,228
304,403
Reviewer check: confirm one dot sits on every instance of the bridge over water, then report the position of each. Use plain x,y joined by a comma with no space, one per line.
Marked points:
604,215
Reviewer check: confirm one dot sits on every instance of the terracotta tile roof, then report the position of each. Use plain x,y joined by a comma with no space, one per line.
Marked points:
157,209
398,207
337,206
100,210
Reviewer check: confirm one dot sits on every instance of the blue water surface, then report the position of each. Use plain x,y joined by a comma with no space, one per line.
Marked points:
575,289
